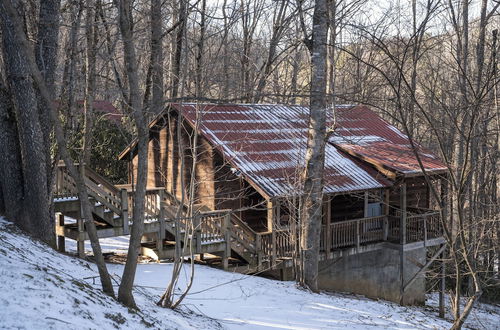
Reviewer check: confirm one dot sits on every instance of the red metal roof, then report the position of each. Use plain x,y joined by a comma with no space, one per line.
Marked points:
361,132
266,143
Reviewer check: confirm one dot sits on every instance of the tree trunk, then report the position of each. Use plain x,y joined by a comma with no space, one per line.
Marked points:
156,56
27,61
176,63
32,141
11,176
125,17
315,153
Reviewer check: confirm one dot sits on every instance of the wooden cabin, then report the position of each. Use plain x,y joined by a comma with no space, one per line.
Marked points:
247,158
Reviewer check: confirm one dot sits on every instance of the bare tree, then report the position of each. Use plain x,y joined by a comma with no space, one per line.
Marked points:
136,110
315,152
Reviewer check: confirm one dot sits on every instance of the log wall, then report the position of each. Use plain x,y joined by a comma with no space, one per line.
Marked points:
417,194
217,186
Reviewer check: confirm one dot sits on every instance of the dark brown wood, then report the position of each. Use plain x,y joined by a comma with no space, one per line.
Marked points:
61,240
328,222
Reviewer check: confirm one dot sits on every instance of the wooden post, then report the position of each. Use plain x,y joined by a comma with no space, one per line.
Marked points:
358,238
80,243
227,236
161,221
197,232
402,225
402,239
270,216
328,242
385,211
270,227
258,249
365,215
124,202
425,230
61,243
385,228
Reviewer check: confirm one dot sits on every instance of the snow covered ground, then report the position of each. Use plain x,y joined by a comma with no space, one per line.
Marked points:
40,289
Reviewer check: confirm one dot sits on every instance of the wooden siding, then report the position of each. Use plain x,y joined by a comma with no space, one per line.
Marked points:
217,185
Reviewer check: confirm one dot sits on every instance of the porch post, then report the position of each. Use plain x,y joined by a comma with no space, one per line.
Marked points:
365,214
270,227
385,211
270,216
328,220
161,219
402,205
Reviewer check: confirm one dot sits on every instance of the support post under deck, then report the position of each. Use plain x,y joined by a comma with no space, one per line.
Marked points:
124,202
80,244
61,243
402,238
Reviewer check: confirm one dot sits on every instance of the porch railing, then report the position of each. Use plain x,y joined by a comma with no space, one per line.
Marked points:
423,227
357,232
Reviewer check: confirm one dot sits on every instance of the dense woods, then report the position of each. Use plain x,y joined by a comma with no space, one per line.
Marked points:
429,67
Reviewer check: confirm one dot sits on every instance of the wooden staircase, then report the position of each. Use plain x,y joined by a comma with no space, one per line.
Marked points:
220,233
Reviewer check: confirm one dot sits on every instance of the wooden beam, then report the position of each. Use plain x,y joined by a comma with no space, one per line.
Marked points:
270,215
328,242
161,219
391,174
402,205
227,234
365,204
385,211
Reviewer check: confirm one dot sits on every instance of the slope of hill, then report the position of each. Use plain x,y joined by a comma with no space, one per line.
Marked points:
42,289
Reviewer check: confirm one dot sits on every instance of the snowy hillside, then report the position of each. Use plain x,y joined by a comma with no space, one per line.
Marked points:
40,289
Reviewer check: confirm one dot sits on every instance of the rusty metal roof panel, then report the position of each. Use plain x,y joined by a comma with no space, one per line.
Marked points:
267,144
361,132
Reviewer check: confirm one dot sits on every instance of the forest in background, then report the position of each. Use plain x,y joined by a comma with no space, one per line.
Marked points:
429,67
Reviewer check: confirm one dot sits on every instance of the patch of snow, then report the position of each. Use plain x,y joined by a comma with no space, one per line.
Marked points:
42,289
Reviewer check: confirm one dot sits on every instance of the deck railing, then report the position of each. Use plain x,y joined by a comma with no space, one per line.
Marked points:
278,244
98,188
357,232
423,227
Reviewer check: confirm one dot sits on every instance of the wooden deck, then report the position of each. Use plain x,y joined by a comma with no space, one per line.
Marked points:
222,232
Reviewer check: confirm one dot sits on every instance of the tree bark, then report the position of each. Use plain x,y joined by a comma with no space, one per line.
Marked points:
157,56
27,61
32,140
315,153
179,40
125,17
11,176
